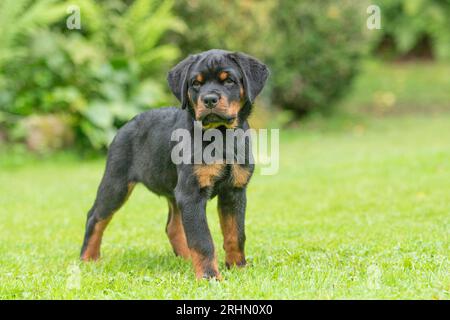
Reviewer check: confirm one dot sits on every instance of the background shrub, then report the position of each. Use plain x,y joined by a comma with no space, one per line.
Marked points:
414,28
311,64
91,81
99,76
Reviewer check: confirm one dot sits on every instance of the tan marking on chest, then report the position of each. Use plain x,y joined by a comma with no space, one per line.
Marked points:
240,175
207,174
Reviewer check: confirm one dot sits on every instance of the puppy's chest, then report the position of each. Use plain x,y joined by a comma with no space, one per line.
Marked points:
235,175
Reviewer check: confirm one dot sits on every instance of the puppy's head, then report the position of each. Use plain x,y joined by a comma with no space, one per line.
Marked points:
218,87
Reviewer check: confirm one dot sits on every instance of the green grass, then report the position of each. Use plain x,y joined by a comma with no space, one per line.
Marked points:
400,88
360,211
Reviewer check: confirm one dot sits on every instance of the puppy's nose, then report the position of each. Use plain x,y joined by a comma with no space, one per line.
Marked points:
210,100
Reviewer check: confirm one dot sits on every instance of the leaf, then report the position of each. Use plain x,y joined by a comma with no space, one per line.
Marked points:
20,18
100,115
97,137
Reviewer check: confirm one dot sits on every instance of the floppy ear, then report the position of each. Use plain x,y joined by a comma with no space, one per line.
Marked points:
254,74
177,79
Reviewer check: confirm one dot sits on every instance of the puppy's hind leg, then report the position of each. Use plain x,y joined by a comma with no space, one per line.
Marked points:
111,195
175,231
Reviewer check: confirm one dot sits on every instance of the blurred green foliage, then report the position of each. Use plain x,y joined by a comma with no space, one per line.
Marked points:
312,47
414,28
78,86
228,24
317,47
99,76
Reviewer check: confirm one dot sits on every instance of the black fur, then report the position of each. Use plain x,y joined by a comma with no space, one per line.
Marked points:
141,151
254,72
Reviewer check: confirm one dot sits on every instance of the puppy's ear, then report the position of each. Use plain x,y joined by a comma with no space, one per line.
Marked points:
254,74
177,79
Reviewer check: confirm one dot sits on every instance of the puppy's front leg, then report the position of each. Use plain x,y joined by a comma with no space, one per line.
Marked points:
231,205
192,203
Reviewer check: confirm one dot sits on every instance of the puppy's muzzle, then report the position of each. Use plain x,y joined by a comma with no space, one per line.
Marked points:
211,119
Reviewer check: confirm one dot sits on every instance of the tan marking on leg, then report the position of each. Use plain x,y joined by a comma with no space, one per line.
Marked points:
240,175
92,251
203,264
207,173
234,256
175,232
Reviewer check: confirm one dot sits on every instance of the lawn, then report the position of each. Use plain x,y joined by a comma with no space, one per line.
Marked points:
360,210
400,88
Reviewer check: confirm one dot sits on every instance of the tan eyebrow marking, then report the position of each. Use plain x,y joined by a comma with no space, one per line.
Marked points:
223,75
199,77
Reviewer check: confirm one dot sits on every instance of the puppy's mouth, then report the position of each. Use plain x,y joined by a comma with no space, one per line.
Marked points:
214,120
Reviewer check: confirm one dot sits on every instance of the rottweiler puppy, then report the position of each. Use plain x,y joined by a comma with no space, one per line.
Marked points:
216,89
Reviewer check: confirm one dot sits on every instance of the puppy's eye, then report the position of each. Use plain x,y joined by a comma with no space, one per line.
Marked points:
196,84
228,81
